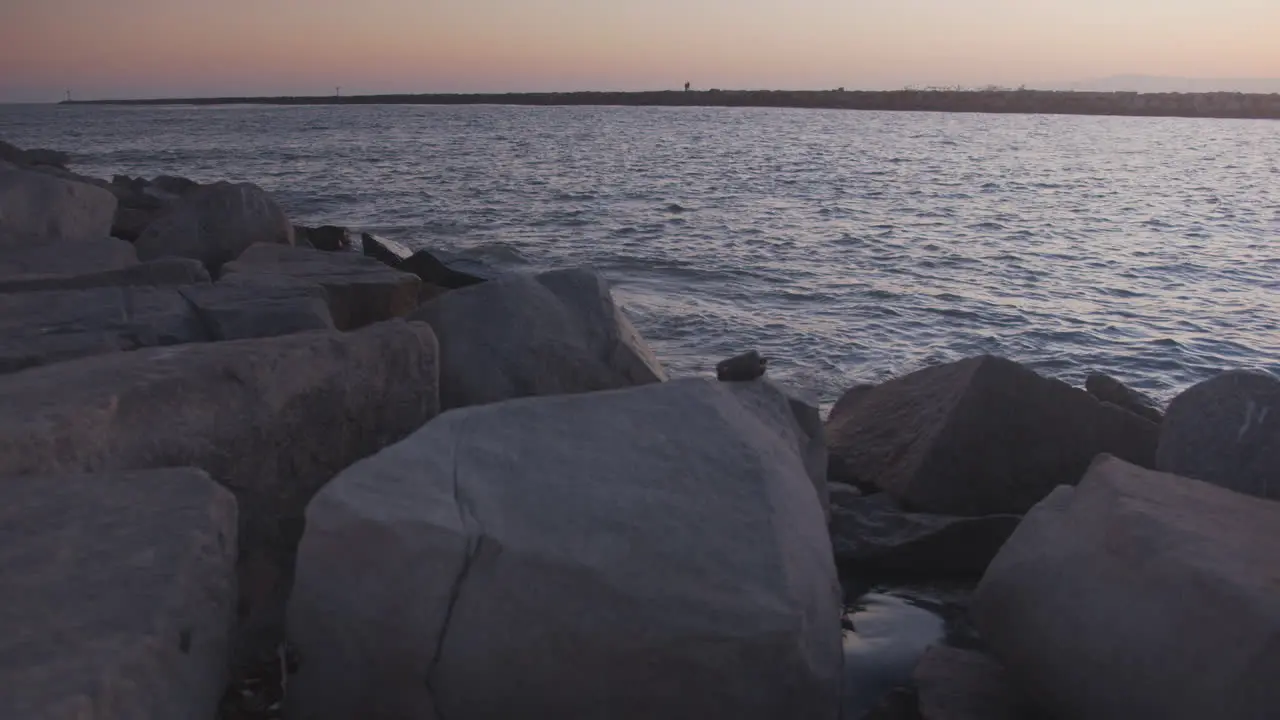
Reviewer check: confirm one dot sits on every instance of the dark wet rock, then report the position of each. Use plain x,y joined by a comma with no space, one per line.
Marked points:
157,273
1226,431
954,684
39,328
25,258
176,186
598,518
118,593
11,154
742,368
44,156
900,704
546,334
1110,390
389,252
331,238
838,471
431,270
981,436
37,207
875,532
272,419
130,223
234,312
1140,594
360,290
215,224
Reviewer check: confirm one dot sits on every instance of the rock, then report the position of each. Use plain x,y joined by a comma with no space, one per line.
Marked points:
954,684
742,368
653,552
157,273
875,532
36,206
329,237
1140,594
26,257
1226,431
130,223
360,290
235,312
273,420
44,156
216,223
39,328
11,154
547,334
432,271
388,252
176,186
843,495
899,704
118,592
1110,390
982,436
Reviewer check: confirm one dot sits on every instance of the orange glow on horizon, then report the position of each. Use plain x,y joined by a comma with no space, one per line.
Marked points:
148,48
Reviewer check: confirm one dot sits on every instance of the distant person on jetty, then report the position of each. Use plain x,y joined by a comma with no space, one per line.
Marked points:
686,87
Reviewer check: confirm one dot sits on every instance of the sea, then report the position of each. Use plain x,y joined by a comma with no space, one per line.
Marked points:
846,246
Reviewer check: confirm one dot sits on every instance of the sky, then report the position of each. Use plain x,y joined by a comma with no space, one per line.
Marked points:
187,48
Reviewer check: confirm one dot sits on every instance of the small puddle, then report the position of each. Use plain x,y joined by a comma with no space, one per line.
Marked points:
893,624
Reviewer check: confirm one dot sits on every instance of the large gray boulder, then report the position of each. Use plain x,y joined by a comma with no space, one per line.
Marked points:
117,597
216,223
875,532
235,312
981,436
157,273
271,419
1140,594
39,328
653,552
547,334
1226,431
360,290
34,205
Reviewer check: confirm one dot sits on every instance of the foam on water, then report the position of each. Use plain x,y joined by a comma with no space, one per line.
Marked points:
848,246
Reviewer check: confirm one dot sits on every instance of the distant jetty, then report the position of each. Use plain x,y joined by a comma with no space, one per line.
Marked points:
1039,102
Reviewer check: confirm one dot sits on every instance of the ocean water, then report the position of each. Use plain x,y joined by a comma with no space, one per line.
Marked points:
846,246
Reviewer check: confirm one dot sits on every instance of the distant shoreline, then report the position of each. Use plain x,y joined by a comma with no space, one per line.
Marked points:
1038,102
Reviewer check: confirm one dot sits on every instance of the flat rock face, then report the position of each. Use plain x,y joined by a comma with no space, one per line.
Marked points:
548,334
360,290
118,595
235,312
22,257
215,223
39,328
875,532
1140,594
37,205
654,552
157,273
1226,431
272,419
958,684
981,436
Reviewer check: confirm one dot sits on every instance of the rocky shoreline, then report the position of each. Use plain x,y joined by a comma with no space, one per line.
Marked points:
996,100
255,470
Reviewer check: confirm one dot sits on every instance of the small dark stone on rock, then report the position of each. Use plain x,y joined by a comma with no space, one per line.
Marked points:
329,237
432,271
742,368
1110,390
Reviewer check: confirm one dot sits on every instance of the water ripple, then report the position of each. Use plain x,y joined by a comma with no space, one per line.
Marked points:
849,246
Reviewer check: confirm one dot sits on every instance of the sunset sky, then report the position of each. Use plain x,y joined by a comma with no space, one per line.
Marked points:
157,48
